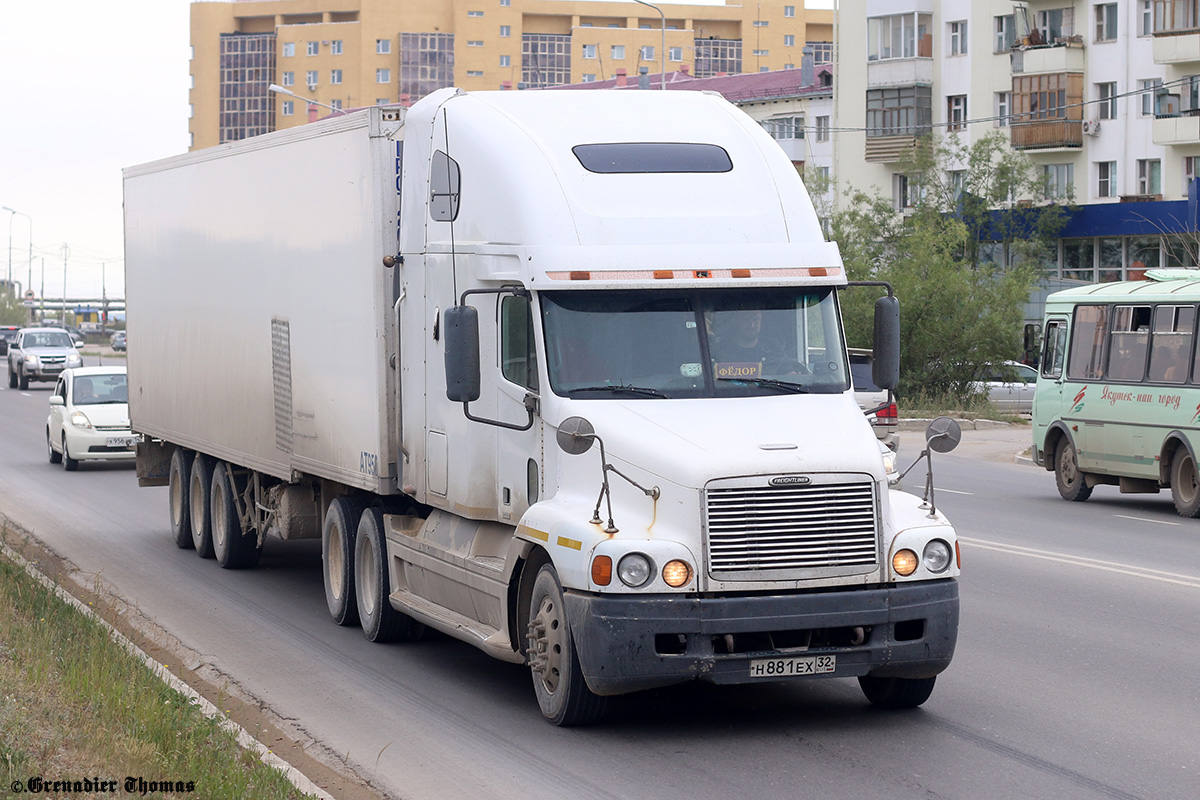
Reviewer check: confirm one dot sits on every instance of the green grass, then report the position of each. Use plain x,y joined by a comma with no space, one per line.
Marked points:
74,704
924,406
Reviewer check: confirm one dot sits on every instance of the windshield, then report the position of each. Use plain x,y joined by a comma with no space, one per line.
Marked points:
47,339
702,343
91,390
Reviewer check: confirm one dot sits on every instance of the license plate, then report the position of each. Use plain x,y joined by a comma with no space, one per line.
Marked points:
122,441
790,667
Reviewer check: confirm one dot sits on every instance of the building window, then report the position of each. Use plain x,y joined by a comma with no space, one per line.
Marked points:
675,53
1056,23
335,47
506,2
785,127
474,13
289,108
1106,22
289,79
822,133
761,23
589,51
335,76
383,75
474,43
762,52
474,73
314,48
1058,180
899,36
505,31
902,192
383,46
310,78
1189,172
717,55
1107,94
958,38
1147,89
647,53
506,61
822,52
337,104
1005,34
1149,176
1003,108
789,40
589,77
618,52
1040,97
1147,27
905,111
1172,16
289,49
789,11
956,112
426,63
1106,179
381,101
545,59
246,69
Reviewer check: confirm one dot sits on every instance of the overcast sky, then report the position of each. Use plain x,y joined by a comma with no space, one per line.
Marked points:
88,88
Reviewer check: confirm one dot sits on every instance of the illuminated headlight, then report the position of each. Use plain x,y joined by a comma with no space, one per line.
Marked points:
80,420
677,573
937,556
74,358
634,570
904,562
889,461
31,359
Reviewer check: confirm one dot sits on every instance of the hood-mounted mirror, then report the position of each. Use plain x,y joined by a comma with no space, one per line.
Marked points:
575,436
942,435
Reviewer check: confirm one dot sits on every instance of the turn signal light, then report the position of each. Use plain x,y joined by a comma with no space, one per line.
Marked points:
676,573
602,570
904,562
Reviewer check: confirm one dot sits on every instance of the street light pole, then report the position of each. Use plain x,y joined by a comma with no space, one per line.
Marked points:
662,76
13,213
275,87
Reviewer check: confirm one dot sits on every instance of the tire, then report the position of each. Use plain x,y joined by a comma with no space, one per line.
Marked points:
337,558
896,692
12,379
1071,482
233,547
380,622
177,499
1185,491
54,456
199,499
22,379
69,464
562,693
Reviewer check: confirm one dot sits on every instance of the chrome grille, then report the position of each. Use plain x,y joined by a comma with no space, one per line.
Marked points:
769,528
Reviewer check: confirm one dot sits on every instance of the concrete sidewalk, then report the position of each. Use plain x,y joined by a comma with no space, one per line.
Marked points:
987,439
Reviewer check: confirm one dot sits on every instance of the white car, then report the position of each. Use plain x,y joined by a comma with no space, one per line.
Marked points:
1009,386
89,417
886,420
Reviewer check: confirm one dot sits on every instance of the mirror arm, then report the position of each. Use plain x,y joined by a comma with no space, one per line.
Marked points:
531,401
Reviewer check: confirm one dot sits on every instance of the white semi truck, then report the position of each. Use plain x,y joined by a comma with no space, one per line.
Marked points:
560,374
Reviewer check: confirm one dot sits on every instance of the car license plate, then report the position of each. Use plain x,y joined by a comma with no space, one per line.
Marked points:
122,441
789,667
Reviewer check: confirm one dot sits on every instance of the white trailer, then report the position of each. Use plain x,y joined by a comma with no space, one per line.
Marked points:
561,374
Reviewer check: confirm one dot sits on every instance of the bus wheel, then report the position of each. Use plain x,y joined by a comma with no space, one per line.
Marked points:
558,682
1071,484
1184,488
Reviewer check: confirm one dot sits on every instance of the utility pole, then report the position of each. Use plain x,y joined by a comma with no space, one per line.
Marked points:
66,252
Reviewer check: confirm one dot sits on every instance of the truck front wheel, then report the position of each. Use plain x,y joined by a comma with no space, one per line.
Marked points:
177,487
337,558
896,692
558,682
380,622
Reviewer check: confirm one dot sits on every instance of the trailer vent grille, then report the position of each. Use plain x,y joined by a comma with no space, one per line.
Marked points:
775,529
281,377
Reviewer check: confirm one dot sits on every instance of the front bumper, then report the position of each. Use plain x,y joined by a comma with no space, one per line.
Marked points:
627,644
92,445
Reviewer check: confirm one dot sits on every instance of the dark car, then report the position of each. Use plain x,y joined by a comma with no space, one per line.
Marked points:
8,333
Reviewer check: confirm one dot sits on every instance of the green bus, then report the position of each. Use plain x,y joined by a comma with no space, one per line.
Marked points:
1118,391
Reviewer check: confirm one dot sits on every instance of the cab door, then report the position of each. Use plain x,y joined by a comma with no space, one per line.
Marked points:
57,412
518,452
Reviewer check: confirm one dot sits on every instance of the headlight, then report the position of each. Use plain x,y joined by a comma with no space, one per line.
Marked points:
677,573
74,358
889,460
31,359
634,570
937,556
904,562
80,420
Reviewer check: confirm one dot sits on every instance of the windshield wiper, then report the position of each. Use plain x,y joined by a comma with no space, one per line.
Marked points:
785,386
641,390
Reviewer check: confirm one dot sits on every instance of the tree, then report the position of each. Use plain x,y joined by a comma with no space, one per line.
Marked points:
12,312
960,309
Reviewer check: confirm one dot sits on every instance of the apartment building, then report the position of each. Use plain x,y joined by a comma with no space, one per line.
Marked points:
1104,97
354,53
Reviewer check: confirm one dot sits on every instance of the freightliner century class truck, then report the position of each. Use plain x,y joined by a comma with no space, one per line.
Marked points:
560,374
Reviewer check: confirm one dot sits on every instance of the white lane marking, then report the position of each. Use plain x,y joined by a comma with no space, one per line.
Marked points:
952,491
1190,581
1144,519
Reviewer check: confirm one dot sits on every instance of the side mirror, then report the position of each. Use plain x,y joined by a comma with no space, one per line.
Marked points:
55,400
460,326
575,436
885,370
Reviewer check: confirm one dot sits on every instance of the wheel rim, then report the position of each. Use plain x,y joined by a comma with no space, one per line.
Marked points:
66,455
219,532
1186,478
1067,466
49,448
176,490
546,641
197,508
368,577
335,560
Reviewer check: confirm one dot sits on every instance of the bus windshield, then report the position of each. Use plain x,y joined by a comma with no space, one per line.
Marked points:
693,343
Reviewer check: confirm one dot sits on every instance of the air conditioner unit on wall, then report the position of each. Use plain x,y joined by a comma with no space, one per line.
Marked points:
1091,127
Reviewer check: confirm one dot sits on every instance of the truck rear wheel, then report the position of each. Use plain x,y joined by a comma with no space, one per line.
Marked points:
380,622
177,487
896,692
337,558
199,490
1071,483
558,681
232,547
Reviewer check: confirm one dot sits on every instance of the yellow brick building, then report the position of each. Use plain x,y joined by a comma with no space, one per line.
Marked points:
354,53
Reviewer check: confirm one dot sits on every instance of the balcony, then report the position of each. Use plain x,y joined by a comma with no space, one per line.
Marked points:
1176,47
889,149
1177,130
1062,57
1051,134
900,72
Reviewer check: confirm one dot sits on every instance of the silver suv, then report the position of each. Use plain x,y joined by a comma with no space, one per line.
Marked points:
40,354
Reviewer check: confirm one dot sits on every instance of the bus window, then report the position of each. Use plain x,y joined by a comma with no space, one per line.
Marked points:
1055,348
1088,343
1171,349
1130,343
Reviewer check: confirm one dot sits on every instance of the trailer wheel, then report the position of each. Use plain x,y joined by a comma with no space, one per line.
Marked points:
1071,483
1184,489
558,682
69,464
199,489
54,455
896,692
337,557
177,487
380,622
232,546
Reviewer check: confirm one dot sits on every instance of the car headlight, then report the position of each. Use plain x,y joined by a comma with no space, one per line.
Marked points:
80,420
74,358
635,570
936,556
31,359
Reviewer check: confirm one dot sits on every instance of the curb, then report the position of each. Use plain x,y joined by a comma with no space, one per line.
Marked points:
915,424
